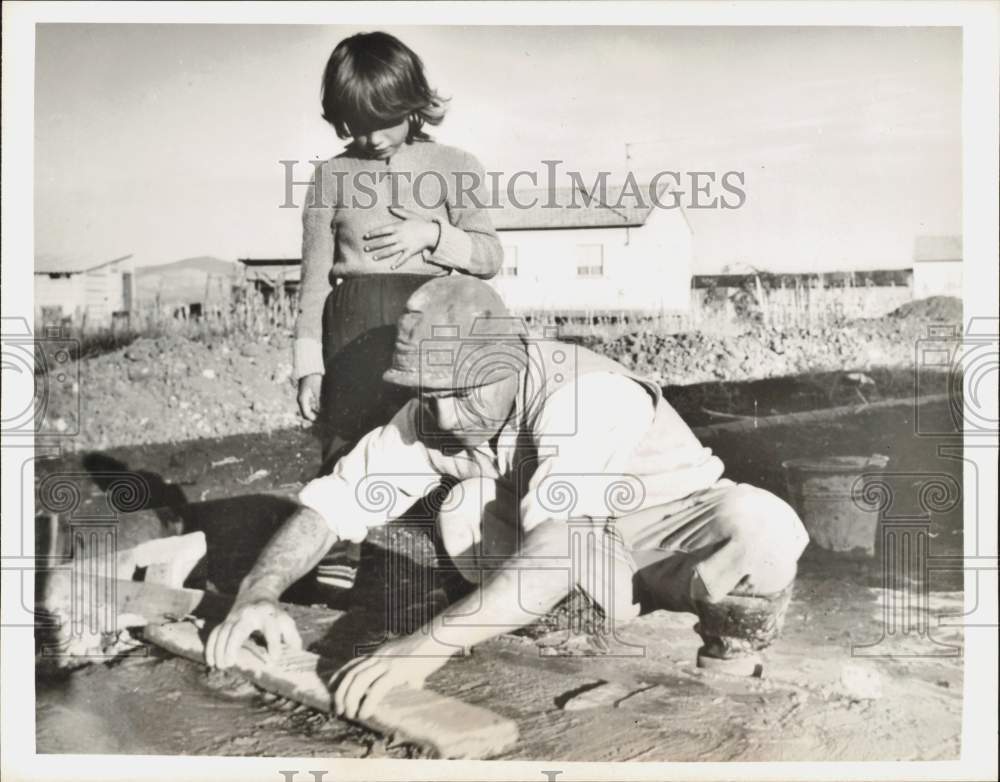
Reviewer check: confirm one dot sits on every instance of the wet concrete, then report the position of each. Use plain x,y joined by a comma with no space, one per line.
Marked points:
808,705
801,709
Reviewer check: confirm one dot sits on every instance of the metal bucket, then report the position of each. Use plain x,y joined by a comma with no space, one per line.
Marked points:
823,491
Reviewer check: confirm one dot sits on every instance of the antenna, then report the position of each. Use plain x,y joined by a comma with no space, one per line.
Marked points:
600,203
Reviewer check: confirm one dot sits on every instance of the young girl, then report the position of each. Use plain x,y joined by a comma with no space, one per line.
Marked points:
380,219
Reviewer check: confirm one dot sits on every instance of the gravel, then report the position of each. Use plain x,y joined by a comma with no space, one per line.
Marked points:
760,352
946,308
173,388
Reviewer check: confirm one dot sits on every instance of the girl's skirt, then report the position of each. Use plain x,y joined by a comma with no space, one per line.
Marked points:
359,332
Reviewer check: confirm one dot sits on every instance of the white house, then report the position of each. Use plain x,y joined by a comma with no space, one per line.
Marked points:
568,254
937,266
616,253
85,288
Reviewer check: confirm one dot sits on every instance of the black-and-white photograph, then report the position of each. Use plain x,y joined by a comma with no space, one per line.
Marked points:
385,390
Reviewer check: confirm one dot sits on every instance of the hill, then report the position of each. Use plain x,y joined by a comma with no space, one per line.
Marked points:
189,280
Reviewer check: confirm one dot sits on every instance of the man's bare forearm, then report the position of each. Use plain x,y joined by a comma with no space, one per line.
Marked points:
526,587
294,550
503,605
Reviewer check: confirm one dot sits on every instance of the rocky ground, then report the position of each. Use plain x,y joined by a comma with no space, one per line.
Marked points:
172,388
762,352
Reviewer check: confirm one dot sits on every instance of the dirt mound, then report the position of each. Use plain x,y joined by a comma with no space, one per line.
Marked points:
947,308
763,352
173,388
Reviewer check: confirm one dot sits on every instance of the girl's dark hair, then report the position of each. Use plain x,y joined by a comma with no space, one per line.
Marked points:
374,80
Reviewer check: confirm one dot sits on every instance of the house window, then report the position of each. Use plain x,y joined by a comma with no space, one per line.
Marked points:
590,260
509,268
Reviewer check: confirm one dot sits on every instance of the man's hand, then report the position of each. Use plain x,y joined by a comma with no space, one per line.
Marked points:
309,393
360,685
259,616
527,586
400,241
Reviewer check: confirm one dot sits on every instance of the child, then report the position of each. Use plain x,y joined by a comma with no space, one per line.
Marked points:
379,220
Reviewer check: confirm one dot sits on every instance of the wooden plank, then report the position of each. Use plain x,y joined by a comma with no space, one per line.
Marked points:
748,423
446,726
152,602
138,527
169,549
92,592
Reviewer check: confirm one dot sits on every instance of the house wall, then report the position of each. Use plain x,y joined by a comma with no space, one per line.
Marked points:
647,268
66,292
96,293
937,278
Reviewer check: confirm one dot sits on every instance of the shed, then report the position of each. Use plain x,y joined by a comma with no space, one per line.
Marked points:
268,275
87,289
937,266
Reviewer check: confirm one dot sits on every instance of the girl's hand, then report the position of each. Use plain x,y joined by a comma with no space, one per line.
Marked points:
309,391
400,241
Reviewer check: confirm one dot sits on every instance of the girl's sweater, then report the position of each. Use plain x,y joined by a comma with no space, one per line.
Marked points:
351,195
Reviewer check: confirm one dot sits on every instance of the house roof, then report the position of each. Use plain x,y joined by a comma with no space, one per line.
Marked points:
270,261
937,248
65,263
567,207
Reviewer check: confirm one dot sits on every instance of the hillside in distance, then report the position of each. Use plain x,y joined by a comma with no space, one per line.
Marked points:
186,281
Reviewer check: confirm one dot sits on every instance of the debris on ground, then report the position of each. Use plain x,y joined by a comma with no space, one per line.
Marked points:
254,476
861,682
593,695
227,460
946,308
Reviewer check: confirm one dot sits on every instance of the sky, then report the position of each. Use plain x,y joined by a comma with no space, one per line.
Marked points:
163,140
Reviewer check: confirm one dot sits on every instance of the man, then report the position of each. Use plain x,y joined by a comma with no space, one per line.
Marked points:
551,450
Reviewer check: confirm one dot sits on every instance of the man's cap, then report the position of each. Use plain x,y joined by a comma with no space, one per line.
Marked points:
456,333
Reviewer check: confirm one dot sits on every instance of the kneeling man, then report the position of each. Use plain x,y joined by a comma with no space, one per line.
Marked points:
566,470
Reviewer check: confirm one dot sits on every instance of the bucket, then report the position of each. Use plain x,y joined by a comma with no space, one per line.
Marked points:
821,491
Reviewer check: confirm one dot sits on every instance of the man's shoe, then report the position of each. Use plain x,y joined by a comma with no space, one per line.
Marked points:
737,628
720,655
